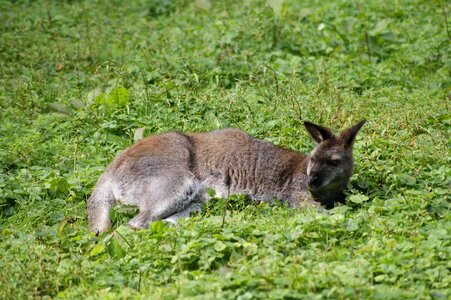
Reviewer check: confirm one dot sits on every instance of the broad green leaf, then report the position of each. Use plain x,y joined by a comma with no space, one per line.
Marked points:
118,97
340,209
406,179
351,225
97,249
219,246
157,227
7,232
59,186
124,230
359,198
114,247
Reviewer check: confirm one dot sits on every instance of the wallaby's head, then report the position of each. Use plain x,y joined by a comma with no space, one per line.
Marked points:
330,162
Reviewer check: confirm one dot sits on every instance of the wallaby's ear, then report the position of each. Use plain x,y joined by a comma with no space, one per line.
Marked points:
318,133
348,136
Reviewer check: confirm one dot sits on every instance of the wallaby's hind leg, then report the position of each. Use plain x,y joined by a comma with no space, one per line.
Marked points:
165,195
193,207
99,205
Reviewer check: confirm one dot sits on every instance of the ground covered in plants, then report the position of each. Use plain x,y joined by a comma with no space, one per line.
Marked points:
79,78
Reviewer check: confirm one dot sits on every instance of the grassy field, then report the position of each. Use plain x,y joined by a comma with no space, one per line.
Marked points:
78,78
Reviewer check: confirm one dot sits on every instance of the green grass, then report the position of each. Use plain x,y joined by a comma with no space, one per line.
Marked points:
77,78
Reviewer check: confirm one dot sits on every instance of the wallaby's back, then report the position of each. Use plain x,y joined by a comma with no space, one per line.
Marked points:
247,165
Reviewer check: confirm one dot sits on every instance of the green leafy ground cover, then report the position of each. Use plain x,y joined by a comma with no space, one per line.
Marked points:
77,78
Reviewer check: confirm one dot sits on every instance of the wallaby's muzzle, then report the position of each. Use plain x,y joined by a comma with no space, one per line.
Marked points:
314,182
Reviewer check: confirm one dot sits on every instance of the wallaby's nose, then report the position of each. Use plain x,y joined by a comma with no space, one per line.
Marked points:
314,181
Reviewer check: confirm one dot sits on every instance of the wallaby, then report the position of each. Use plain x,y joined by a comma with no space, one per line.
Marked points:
167,176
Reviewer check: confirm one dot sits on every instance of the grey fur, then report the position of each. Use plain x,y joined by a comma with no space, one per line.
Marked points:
167,175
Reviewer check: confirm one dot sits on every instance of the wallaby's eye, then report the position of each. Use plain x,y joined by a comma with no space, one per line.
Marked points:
333,162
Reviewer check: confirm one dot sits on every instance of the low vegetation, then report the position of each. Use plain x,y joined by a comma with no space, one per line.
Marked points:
78,79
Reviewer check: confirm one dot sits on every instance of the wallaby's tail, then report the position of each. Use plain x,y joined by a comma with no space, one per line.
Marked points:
99,205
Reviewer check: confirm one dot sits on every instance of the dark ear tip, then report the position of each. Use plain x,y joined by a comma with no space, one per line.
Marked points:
361,123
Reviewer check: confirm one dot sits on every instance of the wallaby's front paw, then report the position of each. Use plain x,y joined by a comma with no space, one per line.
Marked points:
101,226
